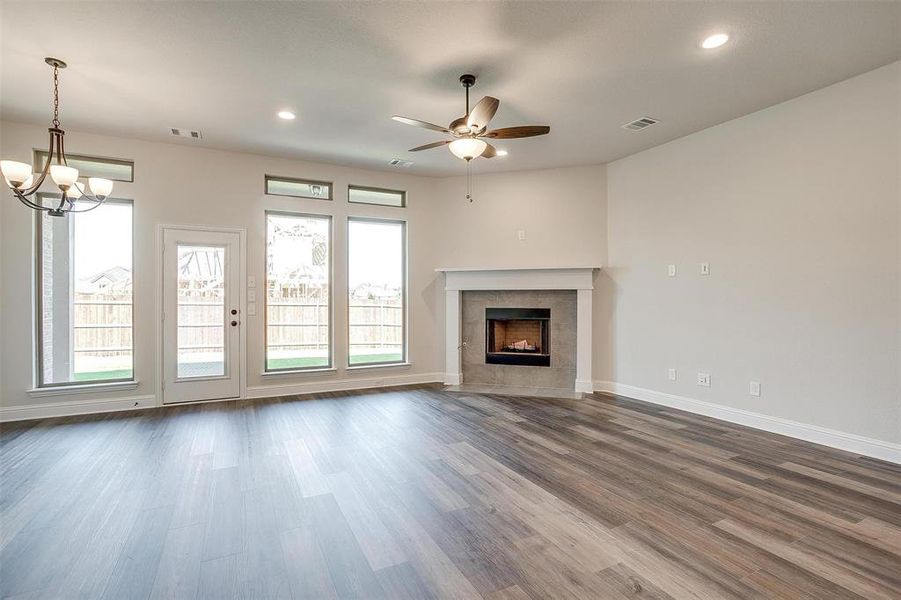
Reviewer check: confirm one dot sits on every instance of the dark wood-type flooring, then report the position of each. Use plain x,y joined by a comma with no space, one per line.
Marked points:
420,493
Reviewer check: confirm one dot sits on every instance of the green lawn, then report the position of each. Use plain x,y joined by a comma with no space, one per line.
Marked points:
272,363
319,361
103,375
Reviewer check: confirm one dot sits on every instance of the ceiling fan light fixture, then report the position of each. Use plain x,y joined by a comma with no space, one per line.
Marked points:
502,153
467,148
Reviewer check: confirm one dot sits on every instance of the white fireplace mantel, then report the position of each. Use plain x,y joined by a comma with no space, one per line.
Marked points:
458,280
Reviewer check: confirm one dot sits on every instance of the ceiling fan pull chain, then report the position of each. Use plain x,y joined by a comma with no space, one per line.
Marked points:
469,180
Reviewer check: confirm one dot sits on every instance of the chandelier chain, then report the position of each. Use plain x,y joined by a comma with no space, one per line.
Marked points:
56,97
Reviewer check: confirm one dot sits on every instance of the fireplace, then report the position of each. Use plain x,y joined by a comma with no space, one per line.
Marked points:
517,336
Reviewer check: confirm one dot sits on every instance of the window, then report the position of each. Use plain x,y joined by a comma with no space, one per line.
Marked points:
85,310
298,291
298,188
369,195
92,166
376,273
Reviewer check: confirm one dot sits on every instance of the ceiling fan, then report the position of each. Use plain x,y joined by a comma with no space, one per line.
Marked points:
468,130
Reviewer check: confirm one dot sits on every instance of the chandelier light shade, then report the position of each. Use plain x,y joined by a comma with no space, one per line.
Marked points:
467,148
24,184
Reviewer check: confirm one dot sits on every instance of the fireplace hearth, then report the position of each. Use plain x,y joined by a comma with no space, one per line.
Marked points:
517,336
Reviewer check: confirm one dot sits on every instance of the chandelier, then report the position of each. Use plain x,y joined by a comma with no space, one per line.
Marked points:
24,184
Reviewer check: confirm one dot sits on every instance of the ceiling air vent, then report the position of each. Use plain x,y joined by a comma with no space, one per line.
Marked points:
399,162
185,133
639,124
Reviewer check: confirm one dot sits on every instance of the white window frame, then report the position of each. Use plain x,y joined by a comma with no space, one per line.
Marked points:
331,294
405,318
38,319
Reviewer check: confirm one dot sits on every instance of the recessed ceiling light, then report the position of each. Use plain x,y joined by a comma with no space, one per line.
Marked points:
715,41
502,153
287,115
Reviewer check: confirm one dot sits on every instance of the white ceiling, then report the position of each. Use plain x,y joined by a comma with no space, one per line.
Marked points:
583,68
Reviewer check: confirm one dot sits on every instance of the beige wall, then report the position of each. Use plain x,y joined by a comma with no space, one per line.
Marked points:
796,208
562,211
180,184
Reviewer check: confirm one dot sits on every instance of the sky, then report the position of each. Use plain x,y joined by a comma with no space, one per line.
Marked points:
375,251
102,238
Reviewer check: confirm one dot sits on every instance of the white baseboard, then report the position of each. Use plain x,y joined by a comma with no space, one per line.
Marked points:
452,379
341,385
811,433
45,410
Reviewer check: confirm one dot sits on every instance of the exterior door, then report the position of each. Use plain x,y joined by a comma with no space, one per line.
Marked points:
202,317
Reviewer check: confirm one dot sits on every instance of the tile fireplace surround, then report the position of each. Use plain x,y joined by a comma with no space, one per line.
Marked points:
504,285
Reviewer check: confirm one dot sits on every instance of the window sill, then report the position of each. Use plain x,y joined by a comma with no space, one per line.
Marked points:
299,372
378,366
85,388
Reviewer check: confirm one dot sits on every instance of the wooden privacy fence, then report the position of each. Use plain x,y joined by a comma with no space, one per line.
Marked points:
103,324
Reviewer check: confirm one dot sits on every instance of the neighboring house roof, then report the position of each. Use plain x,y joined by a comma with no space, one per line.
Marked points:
116,278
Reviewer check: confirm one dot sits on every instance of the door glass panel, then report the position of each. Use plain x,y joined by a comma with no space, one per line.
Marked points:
201,311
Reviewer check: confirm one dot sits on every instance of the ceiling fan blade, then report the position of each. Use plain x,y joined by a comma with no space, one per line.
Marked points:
489,151
429,146
418,123
509,133
482,112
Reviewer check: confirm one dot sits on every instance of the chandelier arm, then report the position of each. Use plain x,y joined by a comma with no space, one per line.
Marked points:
40,180
28,202
72,210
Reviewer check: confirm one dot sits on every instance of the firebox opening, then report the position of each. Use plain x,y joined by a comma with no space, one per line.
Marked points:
517,336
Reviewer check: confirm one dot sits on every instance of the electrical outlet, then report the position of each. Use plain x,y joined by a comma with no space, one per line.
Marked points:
671,270
671,373
704,379
754,388
705,268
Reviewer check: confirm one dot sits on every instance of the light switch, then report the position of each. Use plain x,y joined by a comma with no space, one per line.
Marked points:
705,268
755,388
671,270
704,379
671,373
521,235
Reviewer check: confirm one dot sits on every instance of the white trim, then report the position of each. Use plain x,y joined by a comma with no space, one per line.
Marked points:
316,371
340,385
584,387
366,367
849,442
470,269
158,302
46,410
82,388
578,278
458,280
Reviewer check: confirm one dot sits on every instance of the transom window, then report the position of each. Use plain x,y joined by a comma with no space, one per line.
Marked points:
359,194
116,169
298,188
